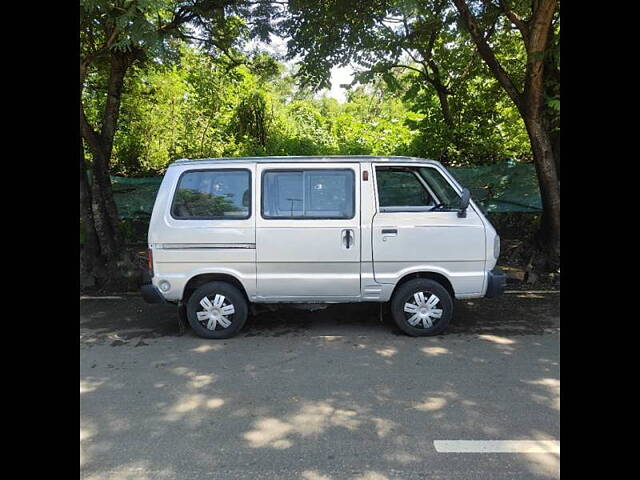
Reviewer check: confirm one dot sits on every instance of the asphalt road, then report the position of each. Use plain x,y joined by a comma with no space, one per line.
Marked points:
332,394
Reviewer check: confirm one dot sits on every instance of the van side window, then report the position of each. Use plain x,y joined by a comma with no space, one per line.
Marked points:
401,187
213,195
308,194
441,187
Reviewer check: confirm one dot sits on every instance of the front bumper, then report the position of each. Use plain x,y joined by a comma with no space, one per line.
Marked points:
496,281
151,294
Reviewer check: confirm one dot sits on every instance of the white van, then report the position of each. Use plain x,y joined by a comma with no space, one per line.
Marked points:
229,231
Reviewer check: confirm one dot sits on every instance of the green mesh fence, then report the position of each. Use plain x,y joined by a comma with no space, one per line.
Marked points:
504,187
507,186
134,197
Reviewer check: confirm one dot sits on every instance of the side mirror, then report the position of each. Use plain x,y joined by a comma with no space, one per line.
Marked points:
464,203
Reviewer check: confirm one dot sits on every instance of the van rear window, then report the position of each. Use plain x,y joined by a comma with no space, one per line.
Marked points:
213,195
308,194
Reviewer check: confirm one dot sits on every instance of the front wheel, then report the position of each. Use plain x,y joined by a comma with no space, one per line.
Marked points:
422,307
217,310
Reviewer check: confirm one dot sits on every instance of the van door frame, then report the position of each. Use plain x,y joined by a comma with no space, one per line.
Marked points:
463,284
286,261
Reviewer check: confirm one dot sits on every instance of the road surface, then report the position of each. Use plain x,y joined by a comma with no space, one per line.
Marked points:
331,394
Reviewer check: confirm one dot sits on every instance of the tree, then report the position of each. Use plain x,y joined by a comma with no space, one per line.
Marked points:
535,29
380,35
118,34
384,38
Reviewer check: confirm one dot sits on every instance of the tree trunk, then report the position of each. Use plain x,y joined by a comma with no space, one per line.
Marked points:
102,195
445,108
90,258
104,209
442,91
452,134
530,104
548,181
443,97
555,144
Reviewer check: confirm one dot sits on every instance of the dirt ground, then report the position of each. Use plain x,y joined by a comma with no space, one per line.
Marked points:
128,318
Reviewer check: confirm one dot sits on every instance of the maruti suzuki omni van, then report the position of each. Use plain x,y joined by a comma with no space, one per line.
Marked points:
226,232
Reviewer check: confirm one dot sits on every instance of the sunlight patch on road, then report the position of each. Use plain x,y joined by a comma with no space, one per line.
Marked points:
370,475
191,403
313,419
88,385
200,381
387,352
435,351
87,430
401,457
204,348
383,426
312,475
497,339
544,465
269,432
431,404
552,385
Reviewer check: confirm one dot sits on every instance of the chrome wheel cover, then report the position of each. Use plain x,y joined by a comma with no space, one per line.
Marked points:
217,312
423,310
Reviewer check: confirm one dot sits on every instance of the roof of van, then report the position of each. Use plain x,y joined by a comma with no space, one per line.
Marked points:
294,159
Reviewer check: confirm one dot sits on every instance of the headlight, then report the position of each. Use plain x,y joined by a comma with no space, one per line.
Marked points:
496,246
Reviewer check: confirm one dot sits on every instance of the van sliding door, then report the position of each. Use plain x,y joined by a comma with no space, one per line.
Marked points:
308,231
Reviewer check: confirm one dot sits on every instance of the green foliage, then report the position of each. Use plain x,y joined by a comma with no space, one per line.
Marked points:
456,109
253,119
204,106
487,129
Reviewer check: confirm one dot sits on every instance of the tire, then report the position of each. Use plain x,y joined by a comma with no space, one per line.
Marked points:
423,313
215,312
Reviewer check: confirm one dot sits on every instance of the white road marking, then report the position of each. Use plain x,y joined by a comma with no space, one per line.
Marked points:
497,446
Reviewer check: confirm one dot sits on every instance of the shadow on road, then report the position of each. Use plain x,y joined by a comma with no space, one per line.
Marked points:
119,320
322,395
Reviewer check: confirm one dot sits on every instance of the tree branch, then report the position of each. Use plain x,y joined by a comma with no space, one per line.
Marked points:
522,25
409,67
487,53
87,132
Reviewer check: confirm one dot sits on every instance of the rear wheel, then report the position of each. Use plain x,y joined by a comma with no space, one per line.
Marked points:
422,307
217,310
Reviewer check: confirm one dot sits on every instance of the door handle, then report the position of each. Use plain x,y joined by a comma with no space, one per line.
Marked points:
347,238
389,232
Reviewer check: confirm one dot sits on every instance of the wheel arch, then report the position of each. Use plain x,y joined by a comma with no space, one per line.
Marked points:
438,277
200,279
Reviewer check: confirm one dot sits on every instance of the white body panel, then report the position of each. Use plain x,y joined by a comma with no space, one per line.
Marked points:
438,242
305,260
183,249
